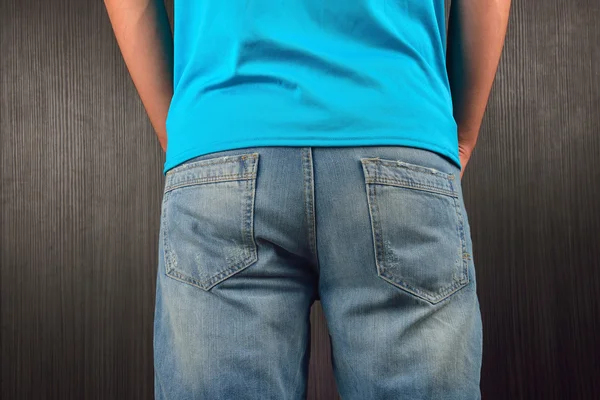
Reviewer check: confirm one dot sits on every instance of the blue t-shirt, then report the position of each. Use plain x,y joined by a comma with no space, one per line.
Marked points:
309,73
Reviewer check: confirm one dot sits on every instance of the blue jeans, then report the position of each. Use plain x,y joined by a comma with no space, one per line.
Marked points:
251,237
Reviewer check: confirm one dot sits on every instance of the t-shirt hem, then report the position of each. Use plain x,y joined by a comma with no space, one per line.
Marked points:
173,161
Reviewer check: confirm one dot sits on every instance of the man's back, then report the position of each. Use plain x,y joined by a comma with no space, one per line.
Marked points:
309,73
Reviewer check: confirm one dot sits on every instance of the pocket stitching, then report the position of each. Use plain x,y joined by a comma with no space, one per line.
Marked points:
417,185
211,161
457,283
409,166
247,234
202,181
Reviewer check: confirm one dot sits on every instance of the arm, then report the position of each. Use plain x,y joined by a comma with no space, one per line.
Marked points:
144,36
476,31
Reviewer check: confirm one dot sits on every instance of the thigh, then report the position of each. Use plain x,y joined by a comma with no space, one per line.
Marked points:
232,312
398,287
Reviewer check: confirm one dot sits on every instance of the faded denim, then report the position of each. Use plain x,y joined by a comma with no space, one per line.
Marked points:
251,237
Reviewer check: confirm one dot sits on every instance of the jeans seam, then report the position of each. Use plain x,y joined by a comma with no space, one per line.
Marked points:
309,203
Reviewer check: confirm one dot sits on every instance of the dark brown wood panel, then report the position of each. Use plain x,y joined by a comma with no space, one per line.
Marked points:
532,191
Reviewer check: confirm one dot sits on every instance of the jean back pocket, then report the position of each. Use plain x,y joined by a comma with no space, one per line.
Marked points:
208,217
418,228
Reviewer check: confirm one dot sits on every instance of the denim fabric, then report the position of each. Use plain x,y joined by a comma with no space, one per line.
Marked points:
251,237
